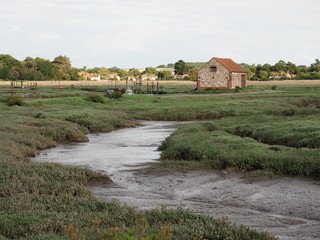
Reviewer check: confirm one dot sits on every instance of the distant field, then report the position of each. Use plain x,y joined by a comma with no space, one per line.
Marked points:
171,82
98,83
286,82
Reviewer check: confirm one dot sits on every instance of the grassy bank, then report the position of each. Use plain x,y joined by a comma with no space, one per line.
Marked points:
219,147
49,201
279,134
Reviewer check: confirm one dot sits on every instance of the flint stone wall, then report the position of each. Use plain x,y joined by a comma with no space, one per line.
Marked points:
209,79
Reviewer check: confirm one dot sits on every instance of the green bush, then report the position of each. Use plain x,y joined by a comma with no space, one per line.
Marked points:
14,100
95,97
237,89
115,95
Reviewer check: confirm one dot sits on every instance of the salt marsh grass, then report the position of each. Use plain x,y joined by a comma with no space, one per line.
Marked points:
50,201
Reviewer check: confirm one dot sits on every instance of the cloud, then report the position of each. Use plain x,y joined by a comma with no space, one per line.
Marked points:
48,36
15,29
130,33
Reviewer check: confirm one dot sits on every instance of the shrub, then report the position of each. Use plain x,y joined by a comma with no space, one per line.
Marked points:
14,100
237,89
274,87
115,95
95,97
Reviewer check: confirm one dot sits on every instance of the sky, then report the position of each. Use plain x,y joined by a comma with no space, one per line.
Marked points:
141,33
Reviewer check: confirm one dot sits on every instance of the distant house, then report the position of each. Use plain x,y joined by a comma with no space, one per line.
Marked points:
171,70
113,76
145,77
90,76
281,75
132,78
183,76
152,77
221,73
95,77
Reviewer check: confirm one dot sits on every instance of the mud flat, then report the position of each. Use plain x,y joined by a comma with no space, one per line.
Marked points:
286,207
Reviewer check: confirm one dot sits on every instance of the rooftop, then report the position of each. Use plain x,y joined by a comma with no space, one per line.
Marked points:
230,65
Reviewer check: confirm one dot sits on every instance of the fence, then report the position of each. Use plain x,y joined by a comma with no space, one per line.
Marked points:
21,88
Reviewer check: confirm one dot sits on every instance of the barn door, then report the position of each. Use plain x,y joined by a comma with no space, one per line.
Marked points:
243,80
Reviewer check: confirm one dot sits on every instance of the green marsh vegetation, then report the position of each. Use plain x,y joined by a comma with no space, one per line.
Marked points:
50,201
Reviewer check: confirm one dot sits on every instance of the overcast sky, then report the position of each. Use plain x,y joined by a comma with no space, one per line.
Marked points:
140,33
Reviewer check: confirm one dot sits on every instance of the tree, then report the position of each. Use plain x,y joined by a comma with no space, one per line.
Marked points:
122,73
74,74
45,67
279,66
264,75
181,68
164,75
6,63
114,70
266,67
194,73
63,63
103,72
134,72
315,67
14,74
93,70
161,66
251,69
150,70
291,68
30,63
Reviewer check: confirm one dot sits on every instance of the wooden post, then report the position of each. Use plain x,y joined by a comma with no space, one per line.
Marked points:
11,92
157,88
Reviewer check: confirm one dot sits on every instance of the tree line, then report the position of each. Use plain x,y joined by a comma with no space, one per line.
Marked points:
36,68
283,70
61,69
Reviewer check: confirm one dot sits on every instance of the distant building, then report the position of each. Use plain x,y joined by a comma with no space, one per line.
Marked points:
145,77
114,76
95,77
132,78
281,75
171,70
90,76
183,76
221,73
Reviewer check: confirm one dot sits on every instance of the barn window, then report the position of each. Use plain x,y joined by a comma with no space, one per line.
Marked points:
213,68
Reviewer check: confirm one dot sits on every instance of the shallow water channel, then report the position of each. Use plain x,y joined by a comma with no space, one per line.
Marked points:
287,207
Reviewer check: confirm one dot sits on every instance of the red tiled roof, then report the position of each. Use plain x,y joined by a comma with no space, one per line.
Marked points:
230,65
94,75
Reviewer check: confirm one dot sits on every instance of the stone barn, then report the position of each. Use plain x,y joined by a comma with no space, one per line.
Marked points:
221,73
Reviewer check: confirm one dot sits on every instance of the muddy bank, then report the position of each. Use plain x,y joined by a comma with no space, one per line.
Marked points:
286,207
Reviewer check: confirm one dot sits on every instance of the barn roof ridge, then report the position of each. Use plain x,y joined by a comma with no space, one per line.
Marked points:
229,64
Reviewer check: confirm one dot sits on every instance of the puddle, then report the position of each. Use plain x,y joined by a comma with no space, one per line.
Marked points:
287,207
